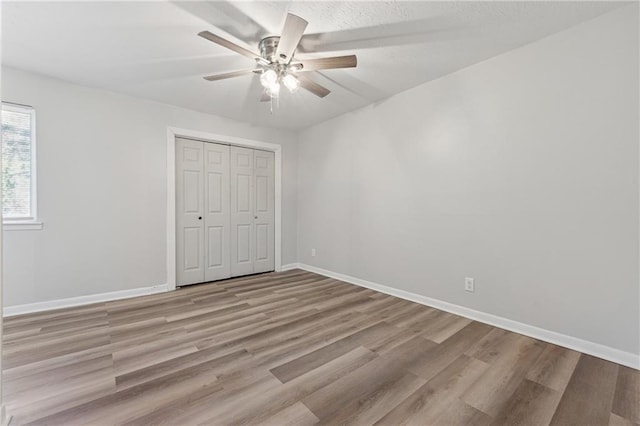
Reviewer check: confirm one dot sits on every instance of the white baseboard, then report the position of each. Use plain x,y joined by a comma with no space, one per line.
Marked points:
9,311
601,351
289,266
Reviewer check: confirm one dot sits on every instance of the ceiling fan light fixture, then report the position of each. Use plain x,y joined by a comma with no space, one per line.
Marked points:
273,90
291,82
269,78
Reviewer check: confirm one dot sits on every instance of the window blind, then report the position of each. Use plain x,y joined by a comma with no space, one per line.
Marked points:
16,163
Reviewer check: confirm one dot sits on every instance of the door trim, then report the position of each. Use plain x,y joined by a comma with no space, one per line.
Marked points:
172,134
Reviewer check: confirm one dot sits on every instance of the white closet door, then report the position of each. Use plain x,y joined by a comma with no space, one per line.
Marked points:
190,245
264,211
242,232
216,217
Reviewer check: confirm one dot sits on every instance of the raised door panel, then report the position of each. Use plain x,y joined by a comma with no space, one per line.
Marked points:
192,246
192,199
243,235
242,217
190,242
217,217
243,193
262,194
264,218
262,242
215,200
215,249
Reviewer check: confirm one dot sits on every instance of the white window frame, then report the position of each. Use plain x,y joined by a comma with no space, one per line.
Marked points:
31,222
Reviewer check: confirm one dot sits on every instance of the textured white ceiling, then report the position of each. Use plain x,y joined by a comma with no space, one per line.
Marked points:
150,49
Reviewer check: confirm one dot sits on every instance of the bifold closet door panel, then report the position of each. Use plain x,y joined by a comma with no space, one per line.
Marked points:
242,199
225,211
190,245
264,217
216,217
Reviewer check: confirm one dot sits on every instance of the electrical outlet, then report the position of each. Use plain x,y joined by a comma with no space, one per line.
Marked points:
470,284
313,252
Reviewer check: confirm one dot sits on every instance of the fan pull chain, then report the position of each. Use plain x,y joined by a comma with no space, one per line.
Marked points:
277,98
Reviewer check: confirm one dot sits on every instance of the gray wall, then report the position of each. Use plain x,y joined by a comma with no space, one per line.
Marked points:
520,171
102,190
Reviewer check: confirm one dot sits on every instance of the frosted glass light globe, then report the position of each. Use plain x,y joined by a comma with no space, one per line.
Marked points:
291,82
268,78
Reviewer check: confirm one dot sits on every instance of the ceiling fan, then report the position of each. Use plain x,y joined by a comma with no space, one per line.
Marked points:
276,63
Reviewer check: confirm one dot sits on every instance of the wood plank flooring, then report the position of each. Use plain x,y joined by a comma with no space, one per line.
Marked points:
296,348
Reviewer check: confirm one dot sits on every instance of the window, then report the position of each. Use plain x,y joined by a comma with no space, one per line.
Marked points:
18,167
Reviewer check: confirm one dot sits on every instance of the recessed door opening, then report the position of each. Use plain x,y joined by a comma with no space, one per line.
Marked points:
225,211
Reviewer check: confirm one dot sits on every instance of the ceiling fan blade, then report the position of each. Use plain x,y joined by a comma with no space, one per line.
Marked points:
224,16
420,31
229,45
349,61
312,86
292,32
228,75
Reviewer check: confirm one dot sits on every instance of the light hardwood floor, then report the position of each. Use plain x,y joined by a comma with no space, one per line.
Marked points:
297,348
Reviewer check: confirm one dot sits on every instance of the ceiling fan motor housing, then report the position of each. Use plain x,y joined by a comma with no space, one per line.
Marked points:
268,47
